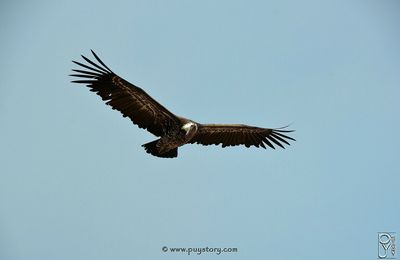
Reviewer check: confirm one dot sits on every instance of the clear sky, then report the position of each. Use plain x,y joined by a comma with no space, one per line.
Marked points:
76,184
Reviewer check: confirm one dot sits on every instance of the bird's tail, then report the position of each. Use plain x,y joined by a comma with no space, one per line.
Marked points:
152,149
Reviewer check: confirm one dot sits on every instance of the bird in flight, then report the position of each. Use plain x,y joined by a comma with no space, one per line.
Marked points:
173,131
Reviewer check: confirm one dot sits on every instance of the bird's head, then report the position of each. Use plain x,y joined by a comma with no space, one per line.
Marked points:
188,127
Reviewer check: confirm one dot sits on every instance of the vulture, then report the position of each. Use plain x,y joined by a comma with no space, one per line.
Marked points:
173,131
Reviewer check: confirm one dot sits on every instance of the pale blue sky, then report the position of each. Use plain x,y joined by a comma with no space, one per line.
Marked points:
76,184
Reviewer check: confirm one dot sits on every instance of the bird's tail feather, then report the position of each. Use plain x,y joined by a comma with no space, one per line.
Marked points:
152,149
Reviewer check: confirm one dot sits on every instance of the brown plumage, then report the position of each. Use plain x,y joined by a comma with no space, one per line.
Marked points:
231,135
174,131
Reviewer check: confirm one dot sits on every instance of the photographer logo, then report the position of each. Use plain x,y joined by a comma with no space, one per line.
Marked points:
386,245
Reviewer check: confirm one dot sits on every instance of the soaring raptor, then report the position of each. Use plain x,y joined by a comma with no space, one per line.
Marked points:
174,131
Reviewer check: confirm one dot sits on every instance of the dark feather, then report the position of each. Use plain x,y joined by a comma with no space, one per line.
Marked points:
231,135
130,100
87,72
83,76
101,62
87,67
94,64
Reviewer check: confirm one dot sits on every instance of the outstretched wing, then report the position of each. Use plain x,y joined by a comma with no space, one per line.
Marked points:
130,100
231,135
